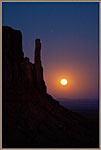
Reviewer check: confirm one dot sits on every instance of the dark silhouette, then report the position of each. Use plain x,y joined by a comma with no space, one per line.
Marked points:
31,117
38,67
18,71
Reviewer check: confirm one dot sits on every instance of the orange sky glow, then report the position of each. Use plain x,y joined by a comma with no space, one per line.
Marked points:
78,83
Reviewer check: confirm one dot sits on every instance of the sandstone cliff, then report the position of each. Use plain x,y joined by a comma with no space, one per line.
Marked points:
31,117
19,72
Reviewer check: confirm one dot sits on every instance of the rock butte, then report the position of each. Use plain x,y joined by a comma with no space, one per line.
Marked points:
18,71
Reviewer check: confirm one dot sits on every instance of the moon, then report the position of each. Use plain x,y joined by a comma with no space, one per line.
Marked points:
64,81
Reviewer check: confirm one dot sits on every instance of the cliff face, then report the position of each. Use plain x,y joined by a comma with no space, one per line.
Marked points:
19,72
12,56
32,118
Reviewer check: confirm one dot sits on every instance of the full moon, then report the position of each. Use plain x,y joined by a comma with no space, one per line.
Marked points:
64,81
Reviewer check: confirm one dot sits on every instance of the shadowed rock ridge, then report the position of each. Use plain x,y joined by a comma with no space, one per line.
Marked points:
31,117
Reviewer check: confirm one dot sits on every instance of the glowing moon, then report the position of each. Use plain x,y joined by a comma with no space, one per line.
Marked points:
64,82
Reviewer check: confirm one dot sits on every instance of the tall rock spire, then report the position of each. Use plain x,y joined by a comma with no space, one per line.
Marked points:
38,66
37,52
38,61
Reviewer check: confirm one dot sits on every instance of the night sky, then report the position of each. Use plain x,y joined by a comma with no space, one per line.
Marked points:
69,34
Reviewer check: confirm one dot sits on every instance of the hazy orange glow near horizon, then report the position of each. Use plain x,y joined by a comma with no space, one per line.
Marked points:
77,87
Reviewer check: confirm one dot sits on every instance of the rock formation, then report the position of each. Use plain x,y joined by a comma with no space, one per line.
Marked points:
38,67
12,56
31,118
19,72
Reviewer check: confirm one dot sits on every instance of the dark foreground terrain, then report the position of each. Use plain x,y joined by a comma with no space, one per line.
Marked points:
31,117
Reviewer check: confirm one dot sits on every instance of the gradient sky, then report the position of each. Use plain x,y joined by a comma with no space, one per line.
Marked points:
69,34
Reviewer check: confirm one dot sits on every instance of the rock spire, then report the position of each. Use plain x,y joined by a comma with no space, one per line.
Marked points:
38,66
